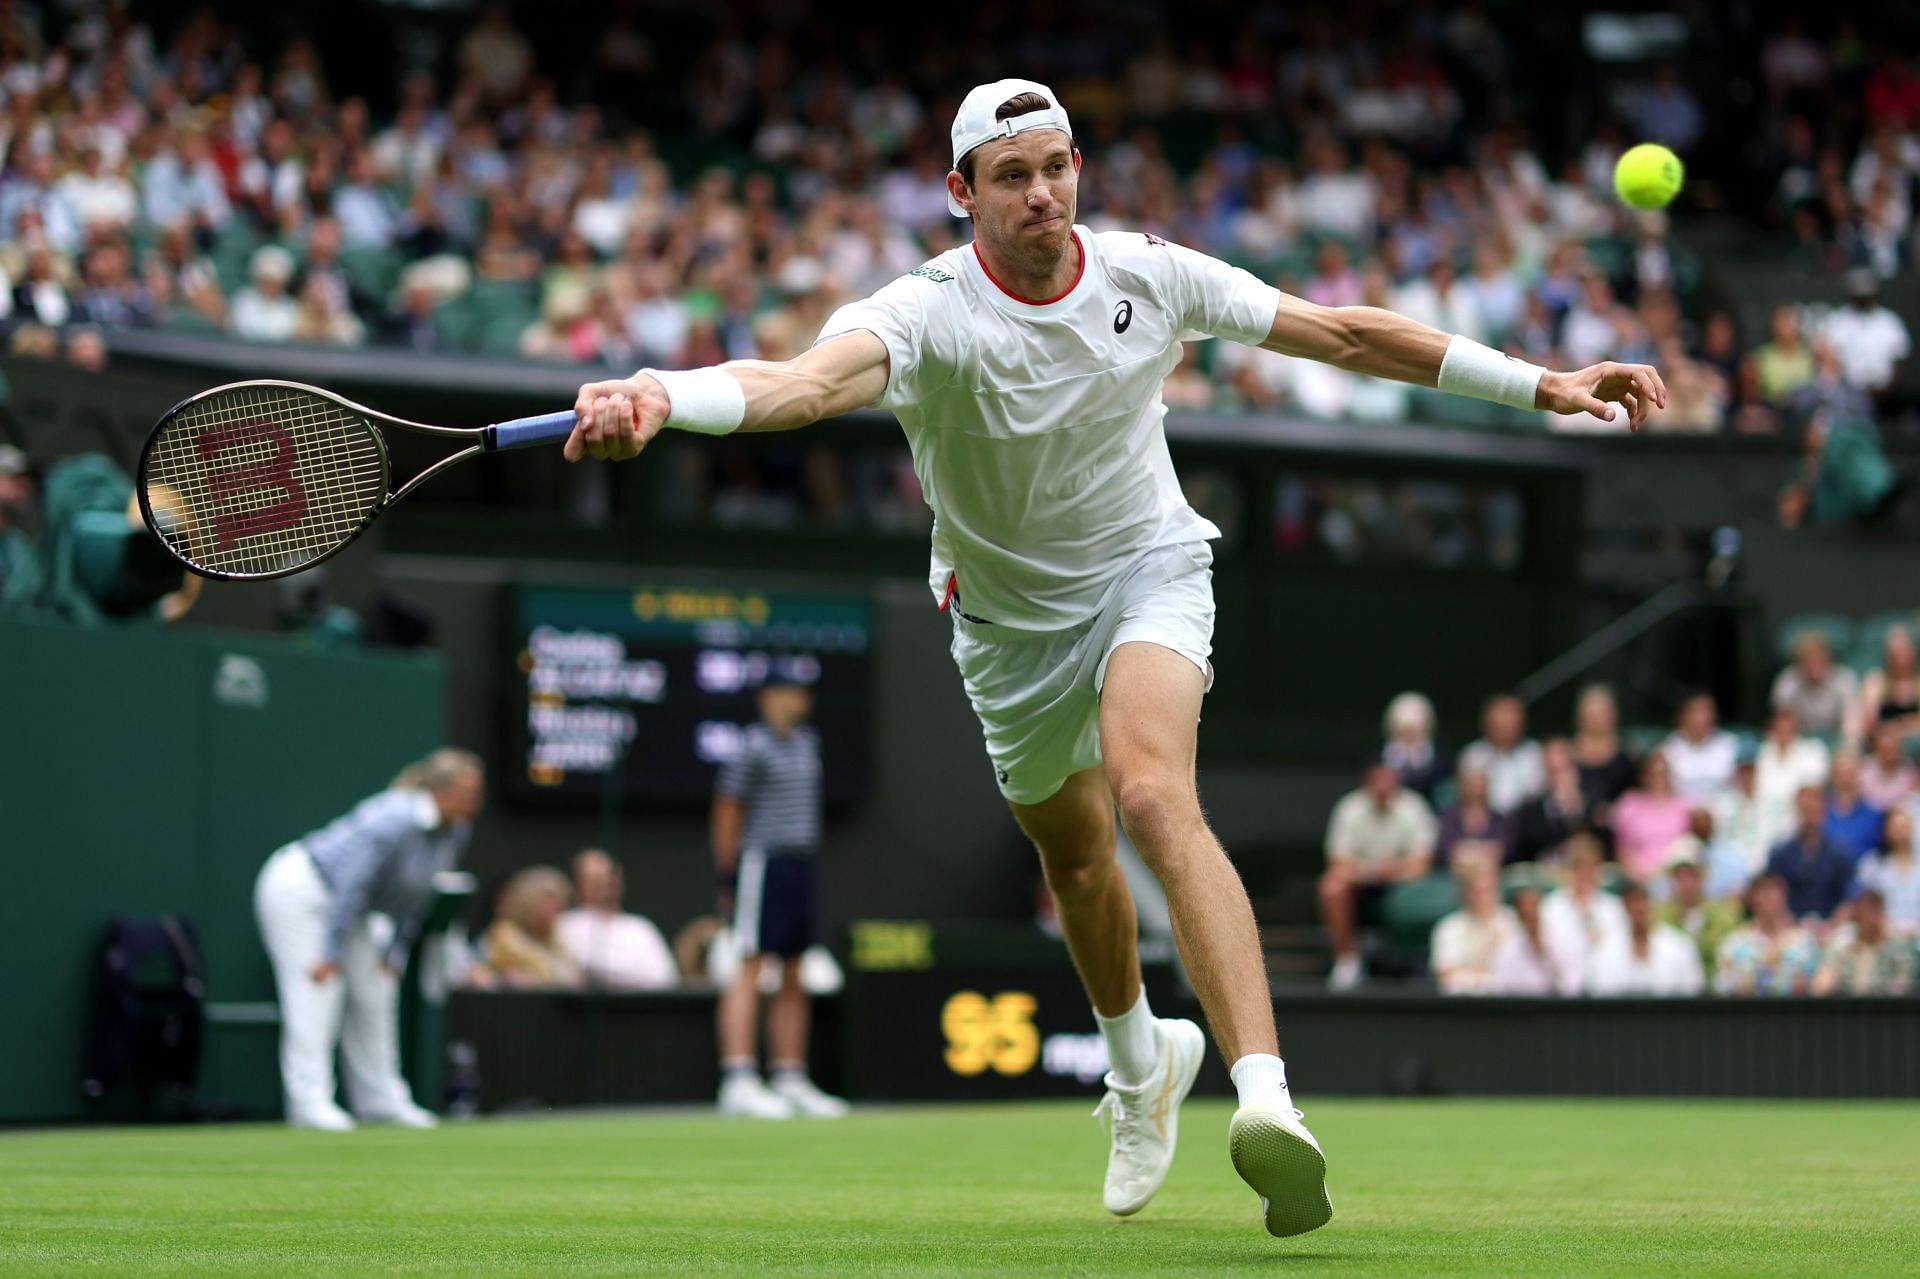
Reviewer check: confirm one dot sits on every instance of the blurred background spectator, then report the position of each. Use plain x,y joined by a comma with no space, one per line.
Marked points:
615,949
1379,835
522,946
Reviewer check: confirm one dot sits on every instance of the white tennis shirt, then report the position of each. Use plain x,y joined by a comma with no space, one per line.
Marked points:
1036,427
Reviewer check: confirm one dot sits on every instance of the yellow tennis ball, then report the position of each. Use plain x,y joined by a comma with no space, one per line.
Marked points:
1648,176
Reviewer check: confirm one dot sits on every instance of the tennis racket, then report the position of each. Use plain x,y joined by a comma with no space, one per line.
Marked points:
256,480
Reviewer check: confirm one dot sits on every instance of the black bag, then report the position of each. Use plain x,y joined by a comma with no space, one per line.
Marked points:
148,1009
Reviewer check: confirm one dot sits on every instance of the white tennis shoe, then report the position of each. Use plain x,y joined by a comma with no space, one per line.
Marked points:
407,1115
807,1099
745,1095
326,1118
1275,1154
1145,1121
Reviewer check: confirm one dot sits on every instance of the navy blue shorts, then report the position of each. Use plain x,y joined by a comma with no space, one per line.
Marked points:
773,905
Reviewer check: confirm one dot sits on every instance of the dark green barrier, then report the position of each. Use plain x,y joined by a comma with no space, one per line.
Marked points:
144,772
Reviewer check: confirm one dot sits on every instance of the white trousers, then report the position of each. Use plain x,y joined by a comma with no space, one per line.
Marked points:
291,902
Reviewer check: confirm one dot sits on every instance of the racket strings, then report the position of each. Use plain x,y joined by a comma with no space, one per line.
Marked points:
256,481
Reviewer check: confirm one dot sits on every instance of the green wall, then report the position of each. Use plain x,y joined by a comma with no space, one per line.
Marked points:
145,771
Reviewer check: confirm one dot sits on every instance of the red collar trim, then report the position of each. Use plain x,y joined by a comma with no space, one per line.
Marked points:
1029,301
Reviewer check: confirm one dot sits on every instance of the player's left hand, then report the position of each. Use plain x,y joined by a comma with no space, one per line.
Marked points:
1637,388
615,420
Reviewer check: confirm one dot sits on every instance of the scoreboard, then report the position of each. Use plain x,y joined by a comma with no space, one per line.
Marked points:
643,692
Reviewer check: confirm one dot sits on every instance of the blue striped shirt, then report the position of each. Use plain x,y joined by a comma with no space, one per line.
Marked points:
777,779
382,856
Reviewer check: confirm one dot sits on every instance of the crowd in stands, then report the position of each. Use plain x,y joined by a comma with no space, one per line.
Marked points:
1776,864
552,932
200,177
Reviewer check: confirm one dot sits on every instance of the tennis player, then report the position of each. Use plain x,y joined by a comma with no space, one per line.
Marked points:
339,909
1026,369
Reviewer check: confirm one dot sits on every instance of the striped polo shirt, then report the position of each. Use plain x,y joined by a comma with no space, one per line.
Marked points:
777,779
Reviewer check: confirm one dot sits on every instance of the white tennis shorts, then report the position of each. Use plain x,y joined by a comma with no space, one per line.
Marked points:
1037,693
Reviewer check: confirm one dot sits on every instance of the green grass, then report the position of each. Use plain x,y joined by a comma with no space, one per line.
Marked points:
1419,1188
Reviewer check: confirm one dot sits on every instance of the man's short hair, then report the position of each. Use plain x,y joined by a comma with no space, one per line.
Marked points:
1014,106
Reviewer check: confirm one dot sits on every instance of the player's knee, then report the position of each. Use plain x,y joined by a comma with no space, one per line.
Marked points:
1158,811
1069,879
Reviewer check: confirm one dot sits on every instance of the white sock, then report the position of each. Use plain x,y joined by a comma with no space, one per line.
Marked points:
1133,1043
1261,1080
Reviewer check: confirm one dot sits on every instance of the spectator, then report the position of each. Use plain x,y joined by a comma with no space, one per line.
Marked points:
1543,823
1512,761
1378,836
1784,363
1410,748
1888,779
1605,770
1787,762
1669,113
1647,820
1467,942
497,57
1867,960
1438,299
522,946
1726,867
110,296
1771,954
42,297
1852,824
264,312
184,184
322,320
19,554
1470,831
1738,816
1699,751
1824,698
1818,874
1652,959
32,200
1870,340
1582,910
615,949
1690,907
1533,961
99,193
1894,873
1890,695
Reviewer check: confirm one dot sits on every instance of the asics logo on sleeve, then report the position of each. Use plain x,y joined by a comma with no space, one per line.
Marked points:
1122,317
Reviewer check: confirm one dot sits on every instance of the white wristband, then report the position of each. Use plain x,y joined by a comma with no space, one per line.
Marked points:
1468,368
709,401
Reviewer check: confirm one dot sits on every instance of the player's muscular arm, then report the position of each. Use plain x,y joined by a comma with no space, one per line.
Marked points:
1367,339
619,418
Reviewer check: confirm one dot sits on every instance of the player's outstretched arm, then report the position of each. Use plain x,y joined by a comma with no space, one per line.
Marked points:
1366,339
616,419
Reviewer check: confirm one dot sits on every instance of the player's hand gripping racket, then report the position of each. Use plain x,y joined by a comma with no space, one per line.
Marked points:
262,479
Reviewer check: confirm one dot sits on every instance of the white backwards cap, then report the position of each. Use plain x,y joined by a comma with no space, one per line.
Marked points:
974,122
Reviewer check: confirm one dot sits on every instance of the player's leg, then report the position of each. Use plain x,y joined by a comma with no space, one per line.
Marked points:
742,1091
370,1034
1154,1061
787,932
1074,835
1149,718
290,902
1149,714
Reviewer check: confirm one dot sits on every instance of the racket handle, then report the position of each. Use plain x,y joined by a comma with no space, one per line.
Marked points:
524,432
